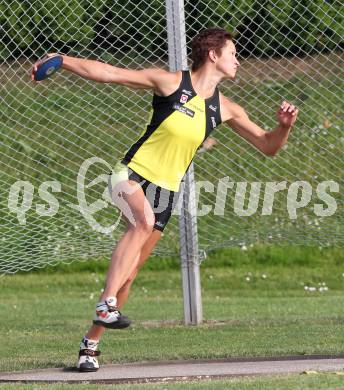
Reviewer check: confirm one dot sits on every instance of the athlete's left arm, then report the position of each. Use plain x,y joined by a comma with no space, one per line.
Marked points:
268,142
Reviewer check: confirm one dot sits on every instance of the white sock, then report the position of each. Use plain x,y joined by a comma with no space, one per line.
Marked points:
89,344
111,301
108,302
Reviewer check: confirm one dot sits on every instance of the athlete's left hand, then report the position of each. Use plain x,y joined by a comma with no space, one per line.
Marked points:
287,114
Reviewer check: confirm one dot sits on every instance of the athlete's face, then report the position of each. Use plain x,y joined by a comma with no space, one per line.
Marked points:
227,62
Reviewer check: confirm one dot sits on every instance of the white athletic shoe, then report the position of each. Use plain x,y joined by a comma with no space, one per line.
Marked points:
88,353
108,316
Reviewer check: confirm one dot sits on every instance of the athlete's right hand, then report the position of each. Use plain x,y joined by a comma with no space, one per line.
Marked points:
35,65
34,69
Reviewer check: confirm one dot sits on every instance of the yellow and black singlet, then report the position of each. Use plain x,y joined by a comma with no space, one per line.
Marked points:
179,124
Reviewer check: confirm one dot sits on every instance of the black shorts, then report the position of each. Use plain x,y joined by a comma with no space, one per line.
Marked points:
162,200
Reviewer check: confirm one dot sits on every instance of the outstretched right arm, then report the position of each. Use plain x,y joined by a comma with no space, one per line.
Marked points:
105,73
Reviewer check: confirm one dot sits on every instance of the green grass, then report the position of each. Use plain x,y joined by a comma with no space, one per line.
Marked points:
50,129
286,382
271,315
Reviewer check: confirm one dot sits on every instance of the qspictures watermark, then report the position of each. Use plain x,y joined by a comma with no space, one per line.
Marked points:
246,197
21,195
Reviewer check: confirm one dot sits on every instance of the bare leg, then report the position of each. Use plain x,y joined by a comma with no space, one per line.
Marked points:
96,331
123,292
130,199
141,219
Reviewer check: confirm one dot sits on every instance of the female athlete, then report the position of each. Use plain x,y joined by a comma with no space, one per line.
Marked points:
144,184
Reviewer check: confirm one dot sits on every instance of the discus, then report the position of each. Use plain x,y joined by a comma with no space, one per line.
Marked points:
47,67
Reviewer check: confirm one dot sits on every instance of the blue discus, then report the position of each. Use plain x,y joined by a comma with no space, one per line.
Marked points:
47,67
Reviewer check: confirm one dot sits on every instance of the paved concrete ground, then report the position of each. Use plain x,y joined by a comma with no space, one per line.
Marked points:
181,370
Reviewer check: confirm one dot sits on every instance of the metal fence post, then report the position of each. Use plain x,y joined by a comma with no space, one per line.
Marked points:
188,219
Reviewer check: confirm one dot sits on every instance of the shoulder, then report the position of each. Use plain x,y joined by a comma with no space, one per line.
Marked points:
166,82
229,109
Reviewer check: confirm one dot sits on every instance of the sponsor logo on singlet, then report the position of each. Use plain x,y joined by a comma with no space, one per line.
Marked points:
214,108
187,92
183,110
194,106
213,121
184,98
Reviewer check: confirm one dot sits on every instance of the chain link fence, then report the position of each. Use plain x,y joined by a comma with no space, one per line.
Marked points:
67,130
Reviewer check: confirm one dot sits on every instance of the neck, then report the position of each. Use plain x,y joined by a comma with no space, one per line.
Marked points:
204,81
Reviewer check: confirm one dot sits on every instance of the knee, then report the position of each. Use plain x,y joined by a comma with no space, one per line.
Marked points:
144,225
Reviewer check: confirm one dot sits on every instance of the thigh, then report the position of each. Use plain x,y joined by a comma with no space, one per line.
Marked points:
163,202
134,204
130,198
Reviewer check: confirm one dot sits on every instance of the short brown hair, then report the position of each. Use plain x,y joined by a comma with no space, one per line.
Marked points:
209,39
